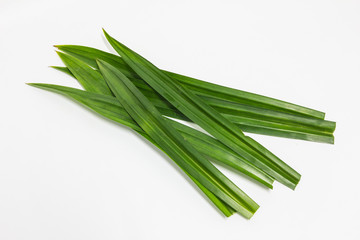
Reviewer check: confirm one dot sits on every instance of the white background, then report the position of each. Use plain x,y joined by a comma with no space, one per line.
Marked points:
66,173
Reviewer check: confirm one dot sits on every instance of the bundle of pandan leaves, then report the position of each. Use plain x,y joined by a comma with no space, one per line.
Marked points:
130,90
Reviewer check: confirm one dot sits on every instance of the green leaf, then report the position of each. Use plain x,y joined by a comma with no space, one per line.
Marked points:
110,108
248,118
173,144
93,101
246,115
201,88
64,70
206,117
260,126
88,79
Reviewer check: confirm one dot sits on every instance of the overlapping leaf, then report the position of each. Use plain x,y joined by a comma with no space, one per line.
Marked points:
206,117
110,108
173,144
244,109
132,91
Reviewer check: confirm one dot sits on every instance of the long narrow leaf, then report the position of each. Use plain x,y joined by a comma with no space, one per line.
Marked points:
93,83
88,79
251,111
253,121
206,117
110,108
95,103
89,55
173,144
84,67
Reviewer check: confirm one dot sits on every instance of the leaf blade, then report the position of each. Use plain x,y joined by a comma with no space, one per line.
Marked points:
151,121
87,78
200,87
207,118
122,117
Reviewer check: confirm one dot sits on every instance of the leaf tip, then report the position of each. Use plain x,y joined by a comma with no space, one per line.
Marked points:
100,62
105,33
31,84
107,36
62,55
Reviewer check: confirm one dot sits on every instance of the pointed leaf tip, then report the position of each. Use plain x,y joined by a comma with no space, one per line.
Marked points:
59,53
33,84
100,62
106,34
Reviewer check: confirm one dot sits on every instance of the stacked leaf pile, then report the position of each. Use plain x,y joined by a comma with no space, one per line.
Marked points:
130,90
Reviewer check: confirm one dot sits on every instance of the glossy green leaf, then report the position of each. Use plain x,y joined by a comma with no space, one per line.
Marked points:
173,144
206,117
273,122
88,79
201,88
249,120
103,106
110,108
